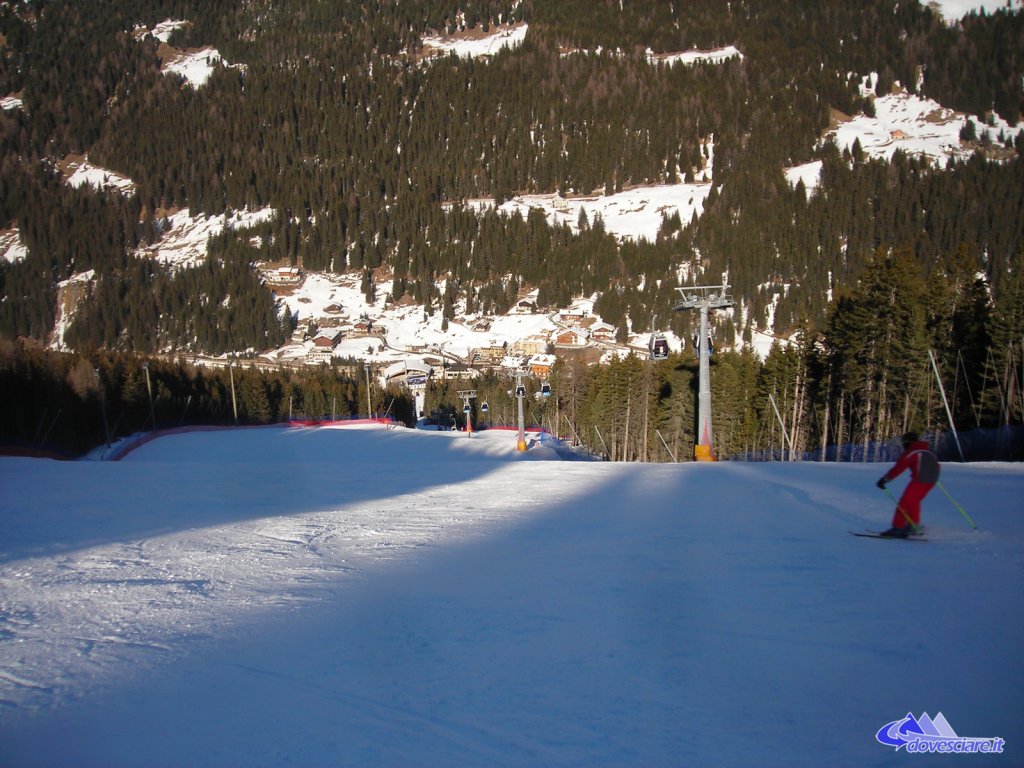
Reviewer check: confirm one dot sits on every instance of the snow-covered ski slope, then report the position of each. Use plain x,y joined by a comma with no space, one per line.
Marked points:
338,597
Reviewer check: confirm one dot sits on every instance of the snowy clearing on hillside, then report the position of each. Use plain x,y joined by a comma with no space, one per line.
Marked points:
908,123
195,66
475,43
81,172
328,596
164,29
12,250
629,215
911,124
186,237
715,56
808,173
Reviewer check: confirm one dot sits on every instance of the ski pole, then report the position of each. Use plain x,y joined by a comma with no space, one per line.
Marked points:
915,526
957,505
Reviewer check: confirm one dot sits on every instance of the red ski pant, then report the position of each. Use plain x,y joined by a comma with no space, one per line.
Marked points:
910,503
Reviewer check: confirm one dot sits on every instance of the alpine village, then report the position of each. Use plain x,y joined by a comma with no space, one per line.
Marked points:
268,210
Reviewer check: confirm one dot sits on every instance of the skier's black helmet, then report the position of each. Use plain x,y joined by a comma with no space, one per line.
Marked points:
909,438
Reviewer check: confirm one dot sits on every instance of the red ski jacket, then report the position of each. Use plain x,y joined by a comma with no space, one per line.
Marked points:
922,463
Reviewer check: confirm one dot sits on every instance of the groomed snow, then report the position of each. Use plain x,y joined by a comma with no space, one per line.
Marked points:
324,596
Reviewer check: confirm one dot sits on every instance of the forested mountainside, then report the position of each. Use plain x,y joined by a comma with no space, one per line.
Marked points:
330,114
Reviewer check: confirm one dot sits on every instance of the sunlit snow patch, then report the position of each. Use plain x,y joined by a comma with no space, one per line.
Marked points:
716,56
475,43
83,172
629,215
12,250
186,236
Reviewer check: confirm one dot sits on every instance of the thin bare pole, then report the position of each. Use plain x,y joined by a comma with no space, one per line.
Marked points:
603,443
945,402
672,455
782,425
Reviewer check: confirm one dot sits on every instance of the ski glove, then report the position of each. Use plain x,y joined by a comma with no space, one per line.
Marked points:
881,483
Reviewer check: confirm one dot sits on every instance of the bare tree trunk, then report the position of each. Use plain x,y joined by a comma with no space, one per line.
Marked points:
646,412
841,424
828,403
868,424
625,437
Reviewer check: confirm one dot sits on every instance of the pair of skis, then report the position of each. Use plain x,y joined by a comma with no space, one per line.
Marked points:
877,535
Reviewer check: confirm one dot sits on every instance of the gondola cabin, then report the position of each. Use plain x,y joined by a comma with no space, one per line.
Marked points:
658,347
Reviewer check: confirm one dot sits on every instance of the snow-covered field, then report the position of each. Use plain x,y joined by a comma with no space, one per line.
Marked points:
327,597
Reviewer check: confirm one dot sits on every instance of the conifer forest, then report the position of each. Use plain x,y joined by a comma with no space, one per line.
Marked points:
892,276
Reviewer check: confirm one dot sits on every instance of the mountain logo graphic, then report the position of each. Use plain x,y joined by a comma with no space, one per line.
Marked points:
927,734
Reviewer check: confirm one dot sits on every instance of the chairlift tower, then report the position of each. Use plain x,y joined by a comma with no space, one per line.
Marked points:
468,395
704,298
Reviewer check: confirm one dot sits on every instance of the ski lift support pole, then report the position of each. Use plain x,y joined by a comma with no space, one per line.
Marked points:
520,394
467,395
704,298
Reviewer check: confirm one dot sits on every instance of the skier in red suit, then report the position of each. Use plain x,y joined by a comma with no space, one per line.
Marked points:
924,474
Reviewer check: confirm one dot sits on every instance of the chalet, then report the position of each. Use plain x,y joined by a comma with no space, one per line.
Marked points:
602,332
541,365
301,331
572,315
283,275
327,338
570,337
365,326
